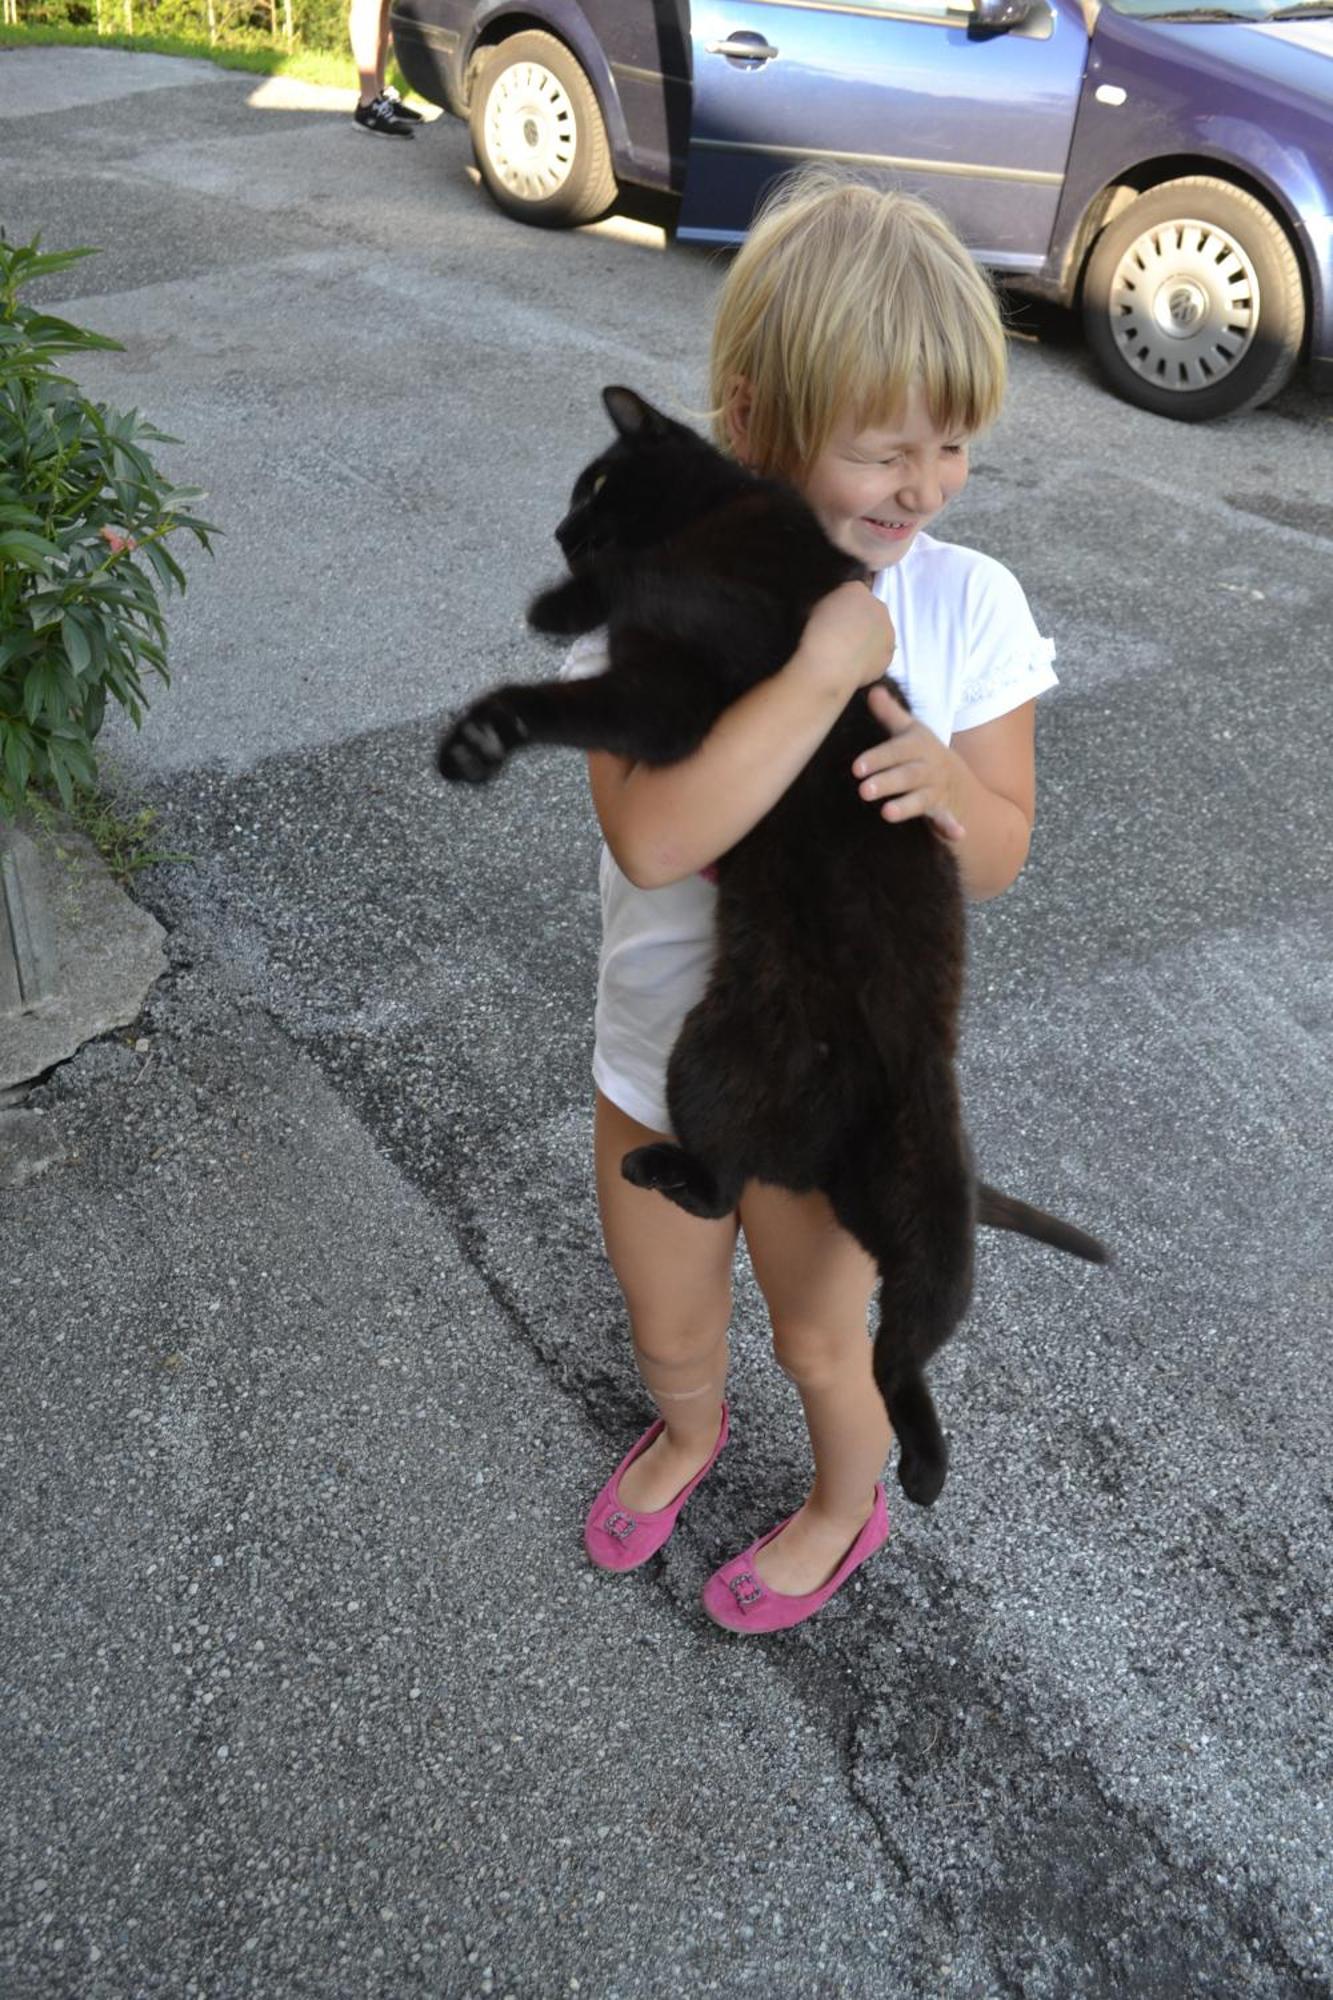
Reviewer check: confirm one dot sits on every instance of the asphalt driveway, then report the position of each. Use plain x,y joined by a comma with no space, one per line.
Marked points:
313,1362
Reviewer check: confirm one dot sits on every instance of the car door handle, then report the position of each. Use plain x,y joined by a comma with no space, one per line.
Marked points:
740,48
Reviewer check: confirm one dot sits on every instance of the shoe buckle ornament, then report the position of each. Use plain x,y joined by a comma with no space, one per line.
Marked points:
745,1587
620,1524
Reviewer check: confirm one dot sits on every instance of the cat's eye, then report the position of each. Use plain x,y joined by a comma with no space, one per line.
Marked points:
598,483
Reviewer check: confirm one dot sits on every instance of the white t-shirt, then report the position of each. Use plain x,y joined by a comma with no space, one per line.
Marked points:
968,651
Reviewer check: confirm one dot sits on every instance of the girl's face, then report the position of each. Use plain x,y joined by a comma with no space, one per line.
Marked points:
874,490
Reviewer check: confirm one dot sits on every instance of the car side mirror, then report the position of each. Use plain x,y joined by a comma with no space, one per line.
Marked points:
997,14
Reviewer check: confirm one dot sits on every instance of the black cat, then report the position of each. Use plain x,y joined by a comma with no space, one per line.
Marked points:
822,1053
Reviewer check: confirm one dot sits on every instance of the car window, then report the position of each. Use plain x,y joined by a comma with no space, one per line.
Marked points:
1213,10
954,12
915,10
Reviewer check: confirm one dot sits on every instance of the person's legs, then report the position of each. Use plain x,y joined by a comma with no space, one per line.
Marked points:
675,1273
368,32
818,1283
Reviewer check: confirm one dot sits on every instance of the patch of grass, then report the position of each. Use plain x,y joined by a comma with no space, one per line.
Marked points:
124,840
259,57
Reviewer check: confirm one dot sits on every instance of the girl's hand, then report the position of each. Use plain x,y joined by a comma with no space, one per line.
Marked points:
913,772
849,640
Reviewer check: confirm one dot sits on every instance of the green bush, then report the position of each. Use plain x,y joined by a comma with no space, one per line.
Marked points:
84,517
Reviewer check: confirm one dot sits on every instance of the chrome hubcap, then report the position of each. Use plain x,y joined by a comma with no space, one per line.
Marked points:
530,131
1184,305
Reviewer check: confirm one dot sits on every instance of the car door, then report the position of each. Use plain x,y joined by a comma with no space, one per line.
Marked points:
647,50
978,121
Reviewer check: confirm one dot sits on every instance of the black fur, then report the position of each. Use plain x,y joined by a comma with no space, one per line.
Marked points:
822,1053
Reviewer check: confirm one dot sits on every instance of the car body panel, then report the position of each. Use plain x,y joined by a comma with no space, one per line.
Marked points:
907,89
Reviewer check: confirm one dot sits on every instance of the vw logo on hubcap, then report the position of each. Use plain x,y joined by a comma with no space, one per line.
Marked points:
1181,306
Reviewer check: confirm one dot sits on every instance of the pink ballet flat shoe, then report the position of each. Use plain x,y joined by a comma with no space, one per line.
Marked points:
619,1539
735,1598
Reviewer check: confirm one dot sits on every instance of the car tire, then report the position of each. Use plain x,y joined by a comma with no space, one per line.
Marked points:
1192,301
538,134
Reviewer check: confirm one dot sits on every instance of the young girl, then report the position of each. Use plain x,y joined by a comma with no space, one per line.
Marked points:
857,352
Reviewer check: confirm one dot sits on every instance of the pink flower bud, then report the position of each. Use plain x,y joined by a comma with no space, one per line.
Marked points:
117,541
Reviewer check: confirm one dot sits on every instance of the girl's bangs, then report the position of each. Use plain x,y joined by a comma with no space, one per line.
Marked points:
959,362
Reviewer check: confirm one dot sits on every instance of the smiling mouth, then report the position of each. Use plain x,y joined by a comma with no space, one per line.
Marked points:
888,527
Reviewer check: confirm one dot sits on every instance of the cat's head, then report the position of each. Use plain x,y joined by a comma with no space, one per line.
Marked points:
657,476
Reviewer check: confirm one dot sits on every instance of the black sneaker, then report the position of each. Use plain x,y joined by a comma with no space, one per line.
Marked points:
402,110
381,115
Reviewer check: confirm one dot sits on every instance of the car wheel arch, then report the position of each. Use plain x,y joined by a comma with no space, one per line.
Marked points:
1143,178
561,24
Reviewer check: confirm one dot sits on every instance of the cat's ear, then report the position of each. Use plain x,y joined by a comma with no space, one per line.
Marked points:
633,417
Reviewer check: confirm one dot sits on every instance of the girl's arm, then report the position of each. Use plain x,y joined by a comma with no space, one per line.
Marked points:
663,823
980,790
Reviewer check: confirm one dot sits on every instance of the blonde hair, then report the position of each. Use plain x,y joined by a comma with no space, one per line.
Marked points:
841,297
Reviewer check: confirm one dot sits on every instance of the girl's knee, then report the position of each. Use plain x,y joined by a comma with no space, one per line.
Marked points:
815,1355
664,1343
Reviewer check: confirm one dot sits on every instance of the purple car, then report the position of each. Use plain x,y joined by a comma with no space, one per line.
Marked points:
1165,166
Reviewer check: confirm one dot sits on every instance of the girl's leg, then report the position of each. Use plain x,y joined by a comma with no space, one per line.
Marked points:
675,1273
818,1283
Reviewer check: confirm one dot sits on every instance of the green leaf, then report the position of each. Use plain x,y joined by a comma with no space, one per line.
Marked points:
164,567
94,708
59,769
75,641
43,690
61,336
44,608
20,263
76,752
17,647
28,551
91,627
18,753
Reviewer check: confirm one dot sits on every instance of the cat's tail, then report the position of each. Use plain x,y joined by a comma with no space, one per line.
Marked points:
1005,1211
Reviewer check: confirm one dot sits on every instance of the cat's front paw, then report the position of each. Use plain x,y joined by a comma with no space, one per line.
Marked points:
474,749
568,608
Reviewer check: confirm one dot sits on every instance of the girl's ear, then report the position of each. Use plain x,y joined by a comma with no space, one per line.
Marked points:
737,402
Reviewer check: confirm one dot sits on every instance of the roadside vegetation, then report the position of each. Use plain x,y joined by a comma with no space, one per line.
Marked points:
85,518
301,38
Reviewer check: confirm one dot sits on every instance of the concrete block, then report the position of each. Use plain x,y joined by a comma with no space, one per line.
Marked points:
77,956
